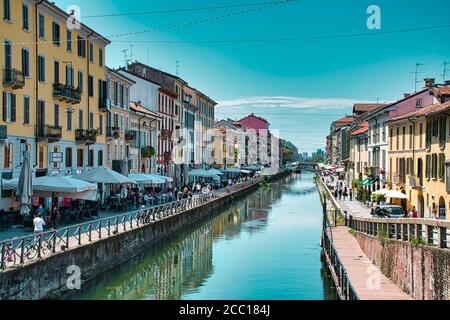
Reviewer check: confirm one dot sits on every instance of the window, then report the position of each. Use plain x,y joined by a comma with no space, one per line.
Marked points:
41,68
80,80
116,120
403,137
69,121
116,93
26,110
91,52
7,163
398,138
100,57
90,158
25,62
80,119
90,86
56,115
9,107
441,166
56,37
127,97
121,122
411,137
80,158
69,75
121,96
434,164
7,10
91,120
419,103
41,157
100,158
56,72
8,57
69,40
68,157
25,19
100,124
108,152
420,134
81,47
41,26
391,134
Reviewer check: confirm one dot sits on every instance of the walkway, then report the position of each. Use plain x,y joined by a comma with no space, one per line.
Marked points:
361,272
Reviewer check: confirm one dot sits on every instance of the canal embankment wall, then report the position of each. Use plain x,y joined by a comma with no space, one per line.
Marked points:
48,278
422,271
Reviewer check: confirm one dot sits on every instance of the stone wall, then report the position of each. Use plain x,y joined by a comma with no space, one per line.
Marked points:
421,271
48,278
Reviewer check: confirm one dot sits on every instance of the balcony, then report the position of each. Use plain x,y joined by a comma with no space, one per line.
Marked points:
13,78
415,182
49,133
112,132
3,132
130,135
67,93
88,136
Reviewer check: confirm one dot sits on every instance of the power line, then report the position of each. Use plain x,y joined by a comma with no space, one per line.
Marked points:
319,37
185,9
167,27
284,114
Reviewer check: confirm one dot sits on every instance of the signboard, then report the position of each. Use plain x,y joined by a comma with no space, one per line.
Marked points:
57,157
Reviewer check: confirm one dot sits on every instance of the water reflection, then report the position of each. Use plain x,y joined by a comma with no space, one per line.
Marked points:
184,266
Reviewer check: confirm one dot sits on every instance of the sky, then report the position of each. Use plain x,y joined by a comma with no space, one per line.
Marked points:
300,86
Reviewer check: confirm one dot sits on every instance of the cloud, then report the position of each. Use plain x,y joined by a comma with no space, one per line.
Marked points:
290,102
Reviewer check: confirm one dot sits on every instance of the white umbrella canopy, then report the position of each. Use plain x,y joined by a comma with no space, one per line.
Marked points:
140,177
25,186
104,175
381,191
215,171
59,185
395,194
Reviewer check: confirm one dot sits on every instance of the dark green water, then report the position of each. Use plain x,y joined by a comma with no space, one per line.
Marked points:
265,246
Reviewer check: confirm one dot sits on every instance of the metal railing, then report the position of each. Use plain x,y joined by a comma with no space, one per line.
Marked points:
13,77
53,133
417,231
67,92
343,285
18,251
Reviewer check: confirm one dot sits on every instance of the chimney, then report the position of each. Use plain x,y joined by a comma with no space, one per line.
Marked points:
447,82
429,82
406,95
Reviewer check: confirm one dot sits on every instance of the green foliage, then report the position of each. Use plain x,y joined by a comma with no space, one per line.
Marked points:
356,183
362,194
147,152
419,241
352,231
378,198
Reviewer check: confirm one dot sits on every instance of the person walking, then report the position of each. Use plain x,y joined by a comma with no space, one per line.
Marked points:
54,217
344,194
39,224
340,194
413,213
350,194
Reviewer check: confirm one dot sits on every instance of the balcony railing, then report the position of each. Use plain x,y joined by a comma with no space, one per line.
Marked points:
50,133
87,136
13,78
415,181
67,93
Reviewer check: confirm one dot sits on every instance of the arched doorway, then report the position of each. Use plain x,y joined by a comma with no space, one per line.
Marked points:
420,206
441,212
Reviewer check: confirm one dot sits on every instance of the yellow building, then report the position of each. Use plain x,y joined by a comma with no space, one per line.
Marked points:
419,150
53,90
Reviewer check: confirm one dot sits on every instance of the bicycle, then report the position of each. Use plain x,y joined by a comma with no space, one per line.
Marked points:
32,248
9,256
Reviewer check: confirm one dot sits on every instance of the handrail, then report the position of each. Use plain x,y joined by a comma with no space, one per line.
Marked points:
431,232
19,250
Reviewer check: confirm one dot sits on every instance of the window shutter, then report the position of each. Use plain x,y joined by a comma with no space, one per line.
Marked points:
13,107
4,106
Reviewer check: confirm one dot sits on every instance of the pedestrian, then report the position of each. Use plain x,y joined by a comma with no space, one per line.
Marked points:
39,224
54,217
413,213
340,194
344,194
350,194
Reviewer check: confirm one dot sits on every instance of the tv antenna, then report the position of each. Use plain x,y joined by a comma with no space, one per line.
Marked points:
416,73
445,71
178,68
128,57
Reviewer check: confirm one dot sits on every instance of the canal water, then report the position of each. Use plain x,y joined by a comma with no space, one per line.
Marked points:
265,246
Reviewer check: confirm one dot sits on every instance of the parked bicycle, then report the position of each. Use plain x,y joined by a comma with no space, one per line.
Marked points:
35,246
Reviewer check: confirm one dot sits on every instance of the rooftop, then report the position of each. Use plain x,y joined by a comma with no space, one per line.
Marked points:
426,111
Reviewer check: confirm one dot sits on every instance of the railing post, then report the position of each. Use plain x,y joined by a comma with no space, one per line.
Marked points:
39,245
90,232
79,235
54,242
442,237
2,262
22,250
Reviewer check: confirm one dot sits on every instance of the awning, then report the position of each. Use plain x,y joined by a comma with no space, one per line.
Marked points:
104,175
215,171
203,174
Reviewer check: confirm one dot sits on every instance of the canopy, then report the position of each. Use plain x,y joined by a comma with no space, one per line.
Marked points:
381,191
203,174
252,168
104,175
56,186
391,194
10,184
148,178
231,170
246,171
215,171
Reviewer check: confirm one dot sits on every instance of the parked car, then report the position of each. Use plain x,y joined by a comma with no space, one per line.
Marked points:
389,211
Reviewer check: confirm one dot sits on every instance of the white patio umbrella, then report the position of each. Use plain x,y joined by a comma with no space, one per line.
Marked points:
104,175
57,186
141,177
215,171
25,186
395,194
381,192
